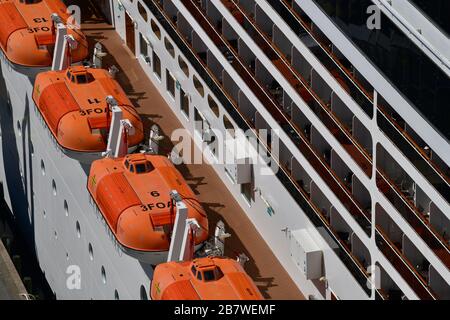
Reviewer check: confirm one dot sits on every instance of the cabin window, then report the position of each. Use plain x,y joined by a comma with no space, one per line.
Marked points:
213,106
183,65
198,85
170,83
155,29
209,275
144,44
199,276
218,273
156,65
131,168
142,11
169,47
82,79
141,168
150,167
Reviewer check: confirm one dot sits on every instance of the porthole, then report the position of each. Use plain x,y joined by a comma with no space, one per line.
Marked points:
67,256
91,252
43,167
66,208
54,187
116,295
103,275
55,234
78,230
44,214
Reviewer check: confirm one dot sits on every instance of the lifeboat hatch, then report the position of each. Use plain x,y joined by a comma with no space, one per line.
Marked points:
138,165
79,75
206,272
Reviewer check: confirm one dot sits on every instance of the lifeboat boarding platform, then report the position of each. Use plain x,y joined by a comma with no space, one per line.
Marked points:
268,274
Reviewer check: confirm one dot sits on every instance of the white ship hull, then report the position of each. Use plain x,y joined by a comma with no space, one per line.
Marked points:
46,191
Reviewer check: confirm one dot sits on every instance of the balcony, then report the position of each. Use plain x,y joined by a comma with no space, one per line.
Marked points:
435,171
293,185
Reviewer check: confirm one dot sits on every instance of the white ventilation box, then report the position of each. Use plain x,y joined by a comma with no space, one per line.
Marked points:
306,254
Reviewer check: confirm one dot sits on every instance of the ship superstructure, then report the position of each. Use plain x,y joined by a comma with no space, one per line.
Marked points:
89,196
358,205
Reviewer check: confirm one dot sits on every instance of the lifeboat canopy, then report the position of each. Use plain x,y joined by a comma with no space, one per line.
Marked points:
27,33
73,103
210,278
133,195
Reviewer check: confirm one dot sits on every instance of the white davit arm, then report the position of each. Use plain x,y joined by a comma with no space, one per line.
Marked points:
64,43
118,131
184,229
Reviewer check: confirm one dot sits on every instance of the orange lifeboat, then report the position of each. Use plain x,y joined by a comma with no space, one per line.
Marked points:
27,33
210,278
133,195
73,104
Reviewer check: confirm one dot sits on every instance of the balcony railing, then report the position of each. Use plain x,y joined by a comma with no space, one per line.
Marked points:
403,266
222,43
297,136
417,221
434,173
301,197
322,110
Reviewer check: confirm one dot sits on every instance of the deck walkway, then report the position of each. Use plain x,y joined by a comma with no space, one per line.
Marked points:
263,267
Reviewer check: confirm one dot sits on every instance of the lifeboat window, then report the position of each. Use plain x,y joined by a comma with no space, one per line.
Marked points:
194,271
141,168
132,168
82,79
127,164
199,275
69,75
209,275
150,167
219,273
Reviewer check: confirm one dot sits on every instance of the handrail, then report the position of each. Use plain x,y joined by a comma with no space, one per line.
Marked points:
328,118
303,145
403,266
314,215
414,218
298,194
443,190
200,17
